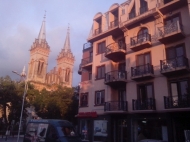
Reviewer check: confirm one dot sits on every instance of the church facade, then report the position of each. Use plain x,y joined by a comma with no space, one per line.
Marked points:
38,63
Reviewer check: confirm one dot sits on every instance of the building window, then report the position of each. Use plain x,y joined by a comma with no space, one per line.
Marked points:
99,97
145,91
67,75
100,72
90,76
180,88
101,47
40,67
84,100
175,56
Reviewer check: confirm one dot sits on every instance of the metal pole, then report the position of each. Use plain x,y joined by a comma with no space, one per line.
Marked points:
25,89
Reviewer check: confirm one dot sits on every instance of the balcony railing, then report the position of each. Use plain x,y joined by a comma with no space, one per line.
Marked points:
146,104
132,15
115,106
97,31
114,47
115,76
140,39
172,64
114,24
182,101
143,9
170,28
87,45
142,70
86,61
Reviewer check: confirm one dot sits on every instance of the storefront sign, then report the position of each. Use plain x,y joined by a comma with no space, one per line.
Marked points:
87,114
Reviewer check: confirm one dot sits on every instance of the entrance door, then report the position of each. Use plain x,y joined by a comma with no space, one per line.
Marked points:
122,131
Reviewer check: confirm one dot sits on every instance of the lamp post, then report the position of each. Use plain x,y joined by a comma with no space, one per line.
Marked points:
23,76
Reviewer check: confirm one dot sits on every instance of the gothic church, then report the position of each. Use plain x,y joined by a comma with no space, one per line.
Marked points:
37,69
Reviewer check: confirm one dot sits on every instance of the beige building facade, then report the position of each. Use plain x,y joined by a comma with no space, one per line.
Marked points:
135,73
39,54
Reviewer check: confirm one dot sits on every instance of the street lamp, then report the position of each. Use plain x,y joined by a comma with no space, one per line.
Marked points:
23,76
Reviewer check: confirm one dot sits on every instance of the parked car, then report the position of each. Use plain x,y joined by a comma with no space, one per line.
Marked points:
47,130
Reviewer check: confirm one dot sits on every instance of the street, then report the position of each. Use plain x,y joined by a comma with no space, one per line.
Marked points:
11,139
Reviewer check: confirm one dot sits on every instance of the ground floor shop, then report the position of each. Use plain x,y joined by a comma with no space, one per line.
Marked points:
166,127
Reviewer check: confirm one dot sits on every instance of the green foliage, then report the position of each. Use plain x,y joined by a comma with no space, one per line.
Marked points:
58,104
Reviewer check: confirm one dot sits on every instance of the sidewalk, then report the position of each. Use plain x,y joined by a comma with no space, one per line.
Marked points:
11,139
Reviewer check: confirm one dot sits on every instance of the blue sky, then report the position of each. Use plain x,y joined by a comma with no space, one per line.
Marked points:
21,21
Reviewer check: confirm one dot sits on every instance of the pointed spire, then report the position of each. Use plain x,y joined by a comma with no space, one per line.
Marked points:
67,47
42,33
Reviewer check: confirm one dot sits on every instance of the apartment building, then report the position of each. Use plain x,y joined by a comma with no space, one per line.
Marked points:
135,73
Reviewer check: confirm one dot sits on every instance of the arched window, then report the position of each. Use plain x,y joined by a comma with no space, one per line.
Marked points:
40,66
143,7
142,35
67,75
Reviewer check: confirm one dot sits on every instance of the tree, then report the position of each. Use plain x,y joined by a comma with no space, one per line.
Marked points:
7,94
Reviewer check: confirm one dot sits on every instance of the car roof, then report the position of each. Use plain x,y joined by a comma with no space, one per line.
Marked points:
55,122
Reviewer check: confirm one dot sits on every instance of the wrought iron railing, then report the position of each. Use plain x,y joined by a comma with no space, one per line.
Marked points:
174,63
170,28
182,101
142,70
140,39
84,103
115,75
87,45
114,23
115,106
145,104
114,47
86,61
132,15
143,9
97,31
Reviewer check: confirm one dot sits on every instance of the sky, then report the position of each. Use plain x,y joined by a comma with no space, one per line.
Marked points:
21,21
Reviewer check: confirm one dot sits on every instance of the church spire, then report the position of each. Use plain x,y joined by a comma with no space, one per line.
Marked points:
67,47
42,33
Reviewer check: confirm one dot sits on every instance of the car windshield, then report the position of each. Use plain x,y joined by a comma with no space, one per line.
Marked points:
66,131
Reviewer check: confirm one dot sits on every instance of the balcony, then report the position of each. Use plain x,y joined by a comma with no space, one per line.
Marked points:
140,42
174,66
166,6
116,78
146,104
87,46
86,63
97,31
171,102
115,106
170,33
80,70
114,24
116,51
131,20
142,72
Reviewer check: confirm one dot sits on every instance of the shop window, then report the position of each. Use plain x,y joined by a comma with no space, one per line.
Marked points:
84,100
153,129
99,97
100,72
101,47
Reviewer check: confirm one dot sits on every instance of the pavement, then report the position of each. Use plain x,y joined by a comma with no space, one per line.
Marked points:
11,139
